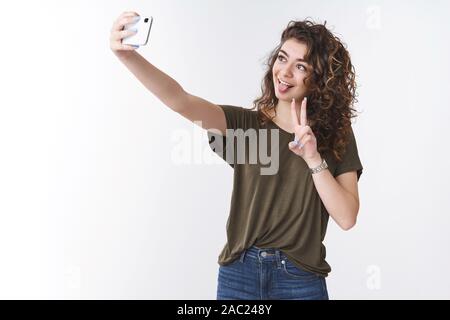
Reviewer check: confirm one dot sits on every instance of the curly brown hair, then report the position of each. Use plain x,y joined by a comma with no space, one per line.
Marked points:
331,86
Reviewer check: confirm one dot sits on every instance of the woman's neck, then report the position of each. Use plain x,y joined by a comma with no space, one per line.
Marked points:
283,117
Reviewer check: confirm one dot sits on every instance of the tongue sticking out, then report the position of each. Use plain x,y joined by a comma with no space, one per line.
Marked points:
283,88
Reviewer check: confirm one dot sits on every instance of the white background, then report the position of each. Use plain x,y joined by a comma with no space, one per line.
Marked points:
93,206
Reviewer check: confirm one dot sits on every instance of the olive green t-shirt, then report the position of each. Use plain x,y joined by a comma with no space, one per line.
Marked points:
281,210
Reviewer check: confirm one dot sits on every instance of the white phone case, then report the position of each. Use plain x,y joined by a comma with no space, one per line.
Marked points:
143,27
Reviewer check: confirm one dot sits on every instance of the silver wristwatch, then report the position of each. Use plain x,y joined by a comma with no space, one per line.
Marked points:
320,167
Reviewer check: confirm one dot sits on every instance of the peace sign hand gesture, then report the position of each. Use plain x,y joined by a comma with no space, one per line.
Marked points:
305,143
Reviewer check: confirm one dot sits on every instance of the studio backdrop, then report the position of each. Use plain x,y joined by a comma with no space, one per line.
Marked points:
97,203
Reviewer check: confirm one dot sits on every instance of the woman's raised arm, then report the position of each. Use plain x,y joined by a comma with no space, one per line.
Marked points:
166,89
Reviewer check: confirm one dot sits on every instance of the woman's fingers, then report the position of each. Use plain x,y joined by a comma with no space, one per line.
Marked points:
118,31
303,114
293,145
119,35
301,131
126,47
297,145
302,136
121,22
303,123
126,13
294,115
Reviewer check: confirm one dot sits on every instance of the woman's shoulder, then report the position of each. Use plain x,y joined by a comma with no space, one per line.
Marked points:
240,116
237,108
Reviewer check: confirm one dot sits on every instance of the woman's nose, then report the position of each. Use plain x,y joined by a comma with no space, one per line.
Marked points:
286,73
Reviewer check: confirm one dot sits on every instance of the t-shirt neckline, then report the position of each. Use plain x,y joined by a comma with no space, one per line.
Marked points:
281,129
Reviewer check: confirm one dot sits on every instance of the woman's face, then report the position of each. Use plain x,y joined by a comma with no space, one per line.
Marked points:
290,68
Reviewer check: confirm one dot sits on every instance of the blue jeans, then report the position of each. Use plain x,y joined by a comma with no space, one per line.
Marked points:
267,274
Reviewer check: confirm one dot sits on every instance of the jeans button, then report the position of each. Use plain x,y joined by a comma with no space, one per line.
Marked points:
263,254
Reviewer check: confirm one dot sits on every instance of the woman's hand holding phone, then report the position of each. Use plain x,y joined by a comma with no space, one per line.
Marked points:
118,32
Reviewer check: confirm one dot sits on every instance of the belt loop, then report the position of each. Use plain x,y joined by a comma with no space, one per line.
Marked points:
278,258
242,256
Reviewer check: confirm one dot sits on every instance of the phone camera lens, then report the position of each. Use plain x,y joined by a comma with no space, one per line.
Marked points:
146,20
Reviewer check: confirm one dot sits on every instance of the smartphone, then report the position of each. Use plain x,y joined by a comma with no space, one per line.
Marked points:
143,26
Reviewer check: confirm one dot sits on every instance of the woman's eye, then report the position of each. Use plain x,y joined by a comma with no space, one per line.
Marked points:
280,57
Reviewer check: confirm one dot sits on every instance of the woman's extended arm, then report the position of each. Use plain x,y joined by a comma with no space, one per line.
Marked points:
166,89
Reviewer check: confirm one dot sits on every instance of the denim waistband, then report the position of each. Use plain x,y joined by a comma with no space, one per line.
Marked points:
263,254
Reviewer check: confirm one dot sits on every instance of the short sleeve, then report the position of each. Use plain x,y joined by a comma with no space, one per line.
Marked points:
236,118
350,160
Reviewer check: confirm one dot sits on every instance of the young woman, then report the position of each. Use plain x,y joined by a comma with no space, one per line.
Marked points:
277,222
